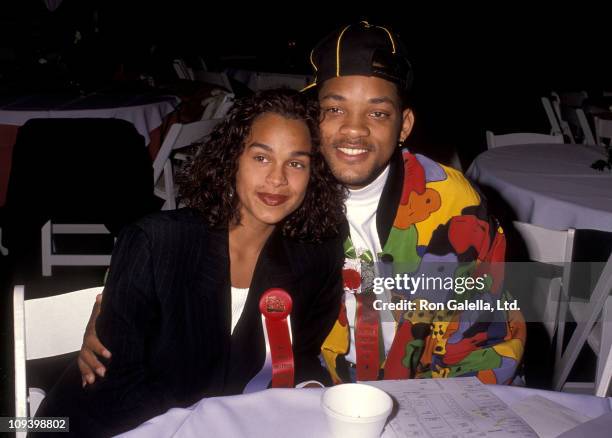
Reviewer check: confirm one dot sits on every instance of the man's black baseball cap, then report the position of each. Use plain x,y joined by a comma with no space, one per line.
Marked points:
362,49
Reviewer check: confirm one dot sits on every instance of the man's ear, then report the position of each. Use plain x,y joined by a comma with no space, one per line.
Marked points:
407,124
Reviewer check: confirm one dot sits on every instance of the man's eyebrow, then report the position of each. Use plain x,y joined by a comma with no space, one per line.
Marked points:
373,100
332,96
382,99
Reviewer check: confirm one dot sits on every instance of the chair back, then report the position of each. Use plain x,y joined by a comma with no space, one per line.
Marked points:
494,141
179,136
574,123
603,130
555,128
219,79
46,327
579,125
182,70
553,247
217,105
565,127
545,245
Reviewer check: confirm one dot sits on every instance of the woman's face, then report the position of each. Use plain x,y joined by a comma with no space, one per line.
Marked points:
273,170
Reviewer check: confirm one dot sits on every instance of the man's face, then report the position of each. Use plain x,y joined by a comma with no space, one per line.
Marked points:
361,124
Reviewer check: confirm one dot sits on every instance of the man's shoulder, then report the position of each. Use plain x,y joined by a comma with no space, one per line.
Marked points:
450,183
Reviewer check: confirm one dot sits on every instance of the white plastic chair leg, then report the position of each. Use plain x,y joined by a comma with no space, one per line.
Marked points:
45,247
606,340
3,250
583,329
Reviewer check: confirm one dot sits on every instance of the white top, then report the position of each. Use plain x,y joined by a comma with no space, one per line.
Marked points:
361,214
239,296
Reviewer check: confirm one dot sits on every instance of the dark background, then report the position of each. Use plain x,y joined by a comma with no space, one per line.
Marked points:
475,69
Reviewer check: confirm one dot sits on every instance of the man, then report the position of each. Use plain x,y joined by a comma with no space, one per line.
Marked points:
408,210
406,215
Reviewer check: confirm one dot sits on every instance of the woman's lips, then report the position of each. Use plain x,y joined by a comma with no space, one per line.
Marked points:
271,199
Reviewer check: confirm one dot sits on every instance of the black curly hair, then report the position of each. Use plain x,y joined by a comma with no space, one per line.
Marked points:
209,181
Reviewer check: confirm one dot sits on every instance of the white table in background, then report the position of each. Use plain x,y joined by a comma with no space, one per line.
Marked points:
551,185
146,111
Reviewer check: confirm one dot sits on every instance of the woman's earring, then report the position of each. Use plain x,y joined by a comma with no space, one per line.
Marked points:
400,144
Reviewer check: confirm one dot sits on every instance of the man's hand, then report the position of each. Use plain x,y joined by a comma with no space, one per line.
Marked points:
88,361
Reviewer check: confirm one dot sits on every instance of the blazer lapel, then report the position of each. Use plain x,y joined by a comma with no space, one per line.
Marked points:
390,197
273,269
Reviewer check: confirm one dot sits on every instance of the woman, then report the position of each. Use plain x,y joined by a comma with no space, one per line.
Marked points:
265,212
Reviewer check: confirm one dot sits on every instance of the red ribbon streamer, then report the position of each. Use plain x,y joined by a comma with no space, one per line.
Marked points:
275,305
366,338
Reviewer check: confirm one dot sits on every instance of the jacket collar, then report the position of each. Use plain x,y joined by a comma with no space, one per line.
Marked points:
390,197
273,267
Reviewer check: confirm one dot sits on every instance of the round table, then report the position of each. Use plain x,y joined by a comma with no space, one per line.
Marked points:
297,413
551,185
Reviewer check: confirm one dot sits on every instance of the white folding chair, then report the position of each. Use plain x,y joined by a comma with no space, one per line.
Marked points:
552,247
565,127
494,141
240,75
214,78
3,250
587,134
46,327
217,105
586,315
555,128
603,130
113,170
182,71
602,388
574,123
179,136
50,258
577,120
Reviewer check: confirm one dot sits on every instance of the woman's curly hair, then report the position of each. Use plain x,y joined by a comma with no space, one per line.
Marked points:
208,183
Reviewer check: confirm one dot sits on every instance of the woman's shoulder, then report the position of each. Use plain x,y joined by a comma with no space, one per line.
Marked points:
326,252
171,218
184,223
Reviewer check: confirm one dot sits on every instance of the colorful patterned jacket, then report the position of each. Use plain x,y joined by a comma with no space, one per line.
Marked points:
430,213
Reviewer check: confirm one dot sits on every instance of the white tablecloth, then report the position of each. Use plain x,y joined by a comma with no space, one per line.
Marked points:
296,413
145,111
551,185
